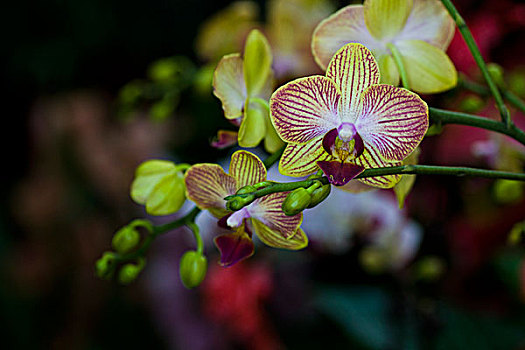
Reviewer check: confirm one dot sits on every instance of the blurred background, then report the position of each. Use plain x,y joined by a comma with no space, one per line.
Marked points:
93,88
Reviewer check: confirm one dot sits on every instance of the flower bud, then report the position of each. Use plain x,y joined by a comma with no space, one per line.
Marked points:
192,269
237,202
319,195
125,239
246,189
497,74
508,191
471,104
297,201
104,266
129,272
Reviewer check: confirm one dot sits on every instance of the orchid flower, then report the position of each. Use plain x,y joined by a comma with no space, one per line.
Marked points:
420,30
244,86
346,121
207,185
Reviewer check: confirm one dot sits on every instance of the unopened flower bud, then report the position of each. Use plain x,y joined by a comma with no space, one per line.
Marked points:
297,201
246,189
496,73
471,104
192,269
129,272
238,202
319,195
105,265
125,239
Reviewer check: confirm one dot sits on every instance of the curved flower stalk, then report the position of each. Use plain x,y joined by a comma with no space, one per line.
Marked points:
241,83
207,185
416,31
346,121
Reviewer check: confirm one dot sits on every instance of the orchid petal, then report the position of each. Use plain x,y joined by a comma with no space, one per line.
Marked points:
229,86
274,239
305,108
388,70
386,18
429,69
234,247
257,62
353,69
339,173
268,210
345,26
372,159
224,139
253,125
207,185
272,141
429,21
301,160
393,121
247,169
356,186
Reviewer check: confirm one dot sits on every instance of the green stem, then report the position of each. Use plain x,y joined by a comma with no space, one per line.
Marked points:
398,59
198,239
508,95
273,158
476,54
442,117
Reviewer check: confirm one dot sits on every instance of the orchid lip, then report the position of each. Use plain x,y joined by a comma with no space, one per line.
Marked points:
345,133
339,173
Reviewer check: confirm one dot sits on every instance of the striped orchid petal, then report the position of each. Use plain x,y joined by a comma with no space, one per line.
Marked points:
207,185
234,247
429,21
247,169
372,159
353,69
305,108
268,210
345,26
229,86
274,239
386,18
301,160
393,121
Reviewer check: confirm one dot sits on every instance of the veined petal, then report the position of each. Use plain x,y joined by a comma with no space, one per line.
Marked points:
301,160
268,210
228,85
207,185
225,138
247,169
253,125
429,21
234,247
345,26
429,69
257,62
388,70
386,18
305,108
274,239
353,69
371,159
393,121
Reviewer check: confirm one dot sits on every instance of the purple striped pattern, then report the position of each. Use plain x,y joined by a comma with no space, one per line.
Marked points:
305,108
268,210
247,169
372,159
207,185
301,160
274,239
393,121
353,69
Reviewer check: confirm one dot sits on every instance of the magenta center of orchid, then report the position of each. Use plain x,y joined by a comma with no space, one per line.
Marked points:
236,219
343,142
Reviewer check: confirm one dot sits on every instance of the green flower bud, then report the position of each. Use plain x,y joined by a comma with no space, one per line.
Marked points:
246,189
129,272
104,267
471,104
497,74
508,191
297,201
319,195
237,202
125,239
192,269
